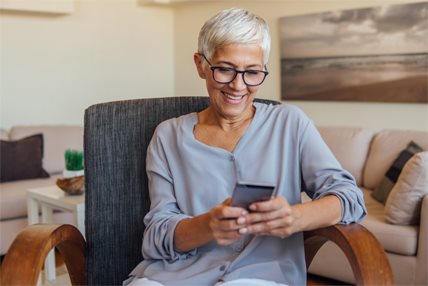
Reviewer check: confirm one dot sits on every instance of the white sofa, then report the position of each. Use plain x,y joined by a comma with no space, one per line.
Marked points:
13,204
368,155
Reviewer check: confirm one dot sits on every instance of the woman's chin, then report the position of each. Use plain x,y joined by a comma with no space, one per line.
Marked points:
234,110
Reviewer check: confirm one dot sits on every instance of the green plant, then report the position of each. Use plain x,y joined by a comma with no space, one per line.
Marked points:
73,160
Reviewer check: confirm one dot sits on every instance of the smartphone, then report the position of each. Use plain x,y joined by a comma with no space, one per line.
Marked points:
246,193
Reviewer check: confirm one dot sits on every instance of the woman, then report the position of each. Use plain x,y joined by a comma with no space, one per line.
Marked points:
193,235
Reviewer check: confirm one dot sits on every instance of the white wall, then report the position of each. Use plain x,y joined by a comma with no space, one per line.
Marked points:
54,66
190,18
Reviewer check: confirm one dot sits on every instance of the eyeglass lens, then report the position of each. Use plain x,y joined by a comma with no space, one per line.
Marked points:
226,75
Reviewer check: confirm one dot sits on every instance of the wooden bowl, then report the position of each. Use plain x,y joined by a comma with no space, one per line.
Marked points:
72,186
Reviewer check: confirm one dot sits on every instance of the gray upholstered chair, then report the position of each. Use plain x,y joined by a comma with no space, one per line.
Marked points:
116,139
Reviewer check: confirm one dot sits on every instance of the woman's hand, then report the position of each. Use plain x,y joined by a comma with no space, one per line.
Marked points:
219,224
274,217
277,218
224,222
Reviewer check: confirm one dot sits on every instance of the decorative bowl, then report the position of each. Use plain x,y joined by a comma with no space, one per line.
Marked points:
72,186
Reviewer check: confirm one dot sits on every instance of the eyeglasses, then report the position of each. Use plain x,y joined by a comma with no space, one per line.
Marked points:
227,75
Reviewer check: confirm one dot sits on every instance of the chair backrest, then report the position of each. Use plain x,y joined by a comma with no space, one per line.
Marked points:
116,136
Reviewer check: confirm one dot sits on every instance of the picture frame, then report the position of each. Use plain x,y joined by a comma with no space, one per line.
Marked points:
377,54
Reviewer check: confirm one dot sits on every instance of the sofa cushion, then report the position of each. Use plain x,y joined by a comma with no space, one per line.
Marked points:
13,196
350,145
4,135
57,139
382,191
404,202
385,148
399,239
22,159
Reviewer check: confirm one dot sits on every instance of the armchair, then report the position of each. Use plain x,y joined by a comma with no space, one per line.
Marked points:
116,138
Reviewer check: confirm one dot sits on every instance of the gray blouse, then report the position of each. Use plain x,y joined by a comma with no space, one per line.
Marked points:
188,178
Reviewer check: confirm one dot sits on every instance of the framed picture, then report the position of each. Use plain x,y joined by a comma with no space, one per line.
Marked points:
377,54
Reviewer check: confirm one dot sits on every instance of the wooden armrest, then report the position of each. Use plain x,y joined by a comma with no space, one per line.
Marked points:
364,252
26,255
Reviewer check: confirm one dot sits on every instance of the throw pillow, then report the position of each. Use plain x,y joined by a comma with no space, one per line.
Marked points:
404,202
382,191
22,159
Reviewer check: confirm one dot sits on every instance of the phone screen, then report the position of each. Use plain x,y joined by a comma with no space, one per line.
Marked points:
245,193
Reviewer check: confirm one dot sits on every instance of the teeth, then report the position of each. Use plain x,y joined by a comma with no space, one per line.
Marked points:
233,97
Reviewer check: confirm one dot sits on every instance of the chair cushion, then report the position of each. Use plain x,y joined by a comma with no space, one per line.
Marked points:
22,159
404,202
399,239
350,145
13,196
116,197
57,139
385,148
382,191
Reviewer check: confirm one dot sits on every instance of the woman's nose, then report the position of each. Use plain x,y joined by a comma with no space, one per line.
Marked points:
238,83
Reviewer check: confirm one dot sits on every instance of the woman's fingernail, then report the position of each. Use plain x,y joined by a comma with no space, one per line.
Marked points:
253,207
241,220
243,230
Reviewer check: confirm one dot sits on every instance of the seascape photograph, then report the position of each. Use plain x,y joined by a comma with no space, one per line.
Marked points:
377,54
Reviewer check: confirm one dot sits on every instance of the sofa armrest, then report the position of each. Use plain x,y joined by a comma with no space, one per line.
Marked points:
363,251
26,255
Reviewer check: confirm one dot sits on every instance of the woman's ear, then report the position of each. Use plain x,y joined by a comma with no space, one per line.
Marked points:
199,65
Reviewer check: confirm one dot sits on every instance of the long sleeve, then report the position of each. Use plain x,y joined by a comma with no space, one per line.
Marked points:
164,213
323,175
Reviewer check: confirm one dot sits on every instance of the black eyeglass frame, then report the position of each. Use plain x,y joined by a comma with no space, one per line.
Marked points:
213,68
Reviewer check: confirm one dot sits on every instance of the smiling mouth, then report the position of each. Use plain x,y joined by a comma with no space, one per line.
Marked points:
232,97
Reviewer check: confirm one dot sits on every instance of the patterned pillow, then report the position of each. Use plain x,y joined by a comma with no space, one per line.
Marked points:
382,191
403,205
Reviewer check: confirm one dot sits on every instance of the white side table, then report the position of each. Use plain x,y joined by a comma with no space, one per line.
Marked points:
50,199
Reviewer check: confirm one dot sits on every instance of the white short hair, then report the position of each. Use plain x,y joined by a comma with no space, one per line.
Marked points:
234,26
